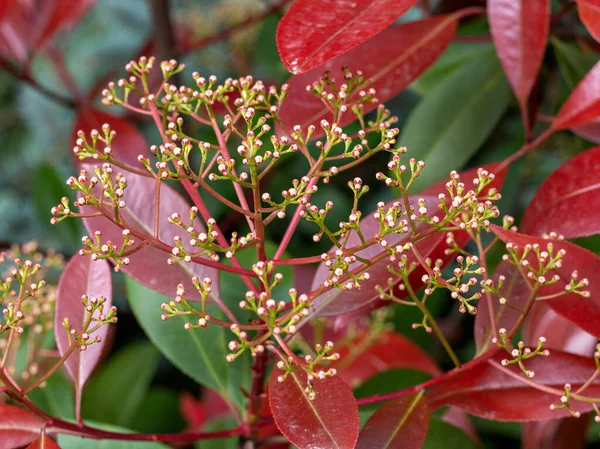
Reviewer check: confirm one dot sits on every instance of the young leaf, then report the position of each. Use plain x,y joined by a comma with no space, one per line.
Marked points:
519,30
486,391
399,424
583,311
365,356
330,421
567,202
313,32
82,276
583,105
114,395
200,354
589,13
391,68
440,130
43,443
149,265
17,427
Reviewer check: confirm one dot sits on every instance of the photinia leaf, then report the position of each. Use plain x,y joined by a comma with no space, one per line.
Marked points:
519,30
399,424
566,433
567,202
486,391
441,434
461,424
584,312
128,142
43,443
82,276
200,354
313,32
390,68
366,356
121,385
65,13
583,105
337,301
149,265
440,131
574,61
330,420
589,13
17,427
76,442
56,398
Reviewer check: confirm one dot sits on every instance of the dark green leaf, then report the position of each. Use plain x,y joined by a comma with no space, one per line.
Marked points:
159,413
574,62
73,442
219,443
444,435
114,395
56,398
199,354
453,121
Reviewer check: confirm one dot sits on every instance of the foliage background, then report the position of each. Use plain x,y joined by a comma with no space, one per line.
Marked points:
36,137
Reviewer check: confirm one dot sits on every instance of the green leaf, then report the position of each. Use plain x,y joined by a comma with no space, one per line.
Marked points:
456,55
56,398
452,121
159,413
219,443
200,354
114,395
442,434
73,442
574,62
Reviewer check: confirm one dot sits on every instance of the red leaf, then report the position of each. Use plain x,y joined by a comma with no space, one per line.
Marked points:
590,131
400,424
149,265
589,13
195,412
567,433
17,427
128,143
43,443
519,30
458,418
81,276
567,202
362,359
329,421
390,66
584,312
488,392
313,32
583,105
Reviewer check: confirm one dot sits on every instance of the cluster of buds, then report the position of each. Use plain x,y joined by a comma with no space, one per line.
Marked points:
341,273
398,170
96,317
520,353
98,146
311,366
297,194
537,262
204,240
181,306
108,250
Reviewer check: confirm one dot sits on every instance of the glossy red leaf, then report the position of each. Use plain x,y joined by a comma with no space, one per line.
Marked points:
590,131
589,13
331,420
584,312
568,201
519,30
567,433
43,443
564,335
81,276
399,424
313,32
392,60
17,427
149,265
362,359
128,143
583,105
488,392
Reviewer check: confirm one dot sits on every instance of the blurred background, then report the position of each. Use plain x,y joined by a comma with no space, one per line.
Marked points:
57,55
